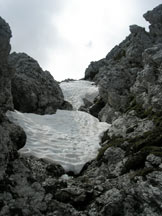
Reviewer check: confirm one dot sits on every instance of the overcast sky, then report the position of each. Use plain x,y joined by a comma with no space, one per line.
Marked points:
64,36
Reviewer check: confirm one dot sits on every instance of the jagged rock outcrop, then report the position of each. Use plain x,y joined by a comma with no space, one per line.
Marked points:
155,19
33,89
127,68
118,72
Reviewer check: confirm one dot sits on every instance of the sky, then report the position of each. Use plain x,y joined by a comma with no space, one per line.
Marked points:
64,36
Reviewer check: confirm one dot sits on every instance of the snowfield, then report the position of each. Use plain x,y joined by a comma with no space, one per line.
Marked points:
76,91
69,138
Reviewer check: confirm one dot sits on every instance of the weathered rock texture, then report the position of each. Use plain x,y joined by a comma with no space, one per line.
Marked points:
130,160
125,178
33,89
8,132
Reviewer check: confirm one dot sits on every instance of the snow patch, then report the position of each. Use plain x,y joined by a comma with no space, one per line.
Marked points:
76,91
69,138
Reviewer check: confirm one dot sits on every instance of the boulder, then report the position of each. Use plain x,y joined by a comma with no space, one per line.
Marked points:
33,89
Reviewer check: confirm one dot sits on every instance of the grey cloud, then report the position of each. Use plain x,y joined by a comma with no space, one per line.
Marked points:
35,34
32,29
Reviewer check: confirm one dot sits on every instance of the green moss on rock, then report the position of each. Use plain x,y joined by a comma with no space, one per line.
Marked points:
151,138
114,142
133,105
142,172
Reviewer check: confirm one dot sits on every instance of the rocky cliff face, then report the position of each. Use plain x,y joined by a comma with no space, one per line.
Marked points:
130,158
5,70
125,178
129,70
11,136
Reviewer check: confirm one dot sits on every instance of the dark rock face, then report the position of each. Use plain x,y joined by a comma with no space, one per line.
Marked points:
4,40
5,71
12,137
33,89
